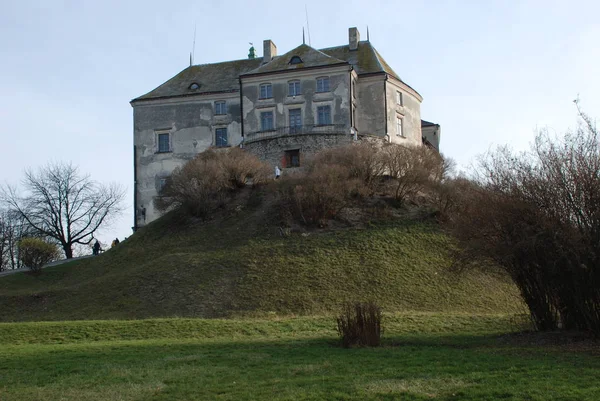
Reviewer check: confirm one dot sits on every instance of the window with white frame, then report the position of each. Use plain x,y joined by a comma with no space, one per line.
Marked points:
323,84
266,121
294,88
399,127
163,140
266,91
323,115
399,98
221,137
220,107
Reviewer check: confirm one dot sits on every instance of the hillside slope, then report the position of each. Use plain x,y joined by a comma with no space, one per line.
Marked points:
239,264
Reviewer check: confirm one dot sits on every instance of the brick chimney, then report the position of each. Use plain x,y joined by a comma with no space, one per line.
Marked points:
269,50
353,38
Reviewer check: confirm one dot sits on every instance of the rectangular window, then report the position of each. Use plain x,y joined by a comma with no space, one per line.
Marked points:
323,115
221,107
354,89
266,121
295,120
399,130
164,143
221,137
294,88
323,84
292,158
161,184
399,98
266,91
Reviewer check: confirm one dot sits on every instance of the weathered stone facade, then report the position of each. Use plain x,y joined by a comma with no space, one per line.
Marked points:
282,108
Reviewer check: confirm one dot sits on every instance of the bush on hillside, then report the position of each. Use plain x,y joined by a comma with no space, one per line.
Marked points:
360,324
537,215
35,253
361,161
205,182
413,168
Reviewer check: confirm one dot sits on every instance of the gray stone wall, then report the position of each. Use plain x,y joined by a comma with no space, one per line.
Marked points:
273,150
370,106
409,111
191,126
338,98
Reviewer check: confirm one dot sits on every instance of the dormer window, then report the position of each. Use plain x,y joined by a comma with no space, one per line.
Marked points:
296,60
194,86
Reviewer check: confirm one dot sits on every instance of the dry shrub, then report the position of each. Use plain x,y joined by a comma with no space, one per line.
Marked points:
204,183
360,324
35,253
361,161
413,168
319,195
537,215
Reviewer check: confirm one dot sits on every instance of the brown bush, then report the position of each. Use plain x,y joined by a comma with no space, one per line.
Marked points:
320,194
35,253
537,216
360,324
413,168
205,182
360,161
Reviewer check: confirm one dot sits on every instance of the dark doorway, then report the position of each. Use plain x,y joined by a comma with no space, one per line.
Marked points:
292,158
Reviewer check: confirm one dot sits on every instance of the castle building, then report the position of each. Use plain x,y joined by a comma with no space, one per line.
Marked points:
282,108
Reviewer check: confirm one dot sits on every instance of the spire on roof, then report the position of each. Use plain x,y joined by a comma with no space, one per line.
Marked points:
303,41
368,33
252,52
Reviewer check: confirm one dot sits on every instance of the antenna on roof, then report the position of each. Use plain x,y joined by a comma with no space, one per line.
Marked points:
367,33
193,53
303,41
307,25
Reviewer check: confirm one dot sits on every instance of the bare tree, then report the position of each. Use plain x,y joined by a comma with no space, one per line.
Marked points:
12,228
61,203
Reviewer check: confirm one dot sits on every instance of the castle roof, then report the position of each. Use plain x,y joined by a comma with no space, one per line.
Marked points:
224,77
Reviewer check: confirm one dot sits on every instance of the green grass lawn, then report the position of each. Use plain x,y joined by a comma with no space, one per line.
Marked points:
425,356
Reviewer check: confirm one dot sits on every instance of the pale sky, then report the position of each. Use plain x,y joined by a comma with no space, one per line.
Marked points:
490,72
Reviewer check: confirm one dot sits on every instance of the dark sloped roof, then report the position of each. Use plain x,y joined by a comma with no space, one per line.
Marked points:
223,77
365,60
310,58
427,124
217,77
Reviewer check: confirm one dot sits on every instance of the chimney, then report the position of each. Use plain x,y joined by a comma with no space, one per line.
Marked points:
353,38
269,50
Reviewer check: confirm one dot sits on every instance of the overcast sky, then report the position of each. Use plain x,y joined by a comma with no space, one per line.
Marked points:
490,72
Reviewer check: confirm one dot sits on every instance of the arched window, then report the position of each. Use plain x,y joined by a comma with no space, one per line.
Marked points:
194,86
296,60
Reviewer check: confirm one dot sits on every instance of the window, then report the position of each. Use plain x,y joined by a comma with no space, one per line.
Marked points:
221,107
266,121
292,158
294,88
194,86
221,137
399,98
164,143
162,182
296,60
323,115
399,130
266,91
354,89
323,84
295,120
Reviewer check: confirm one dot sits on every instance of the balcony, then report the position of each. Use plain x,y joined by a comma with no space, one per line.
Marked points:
297,130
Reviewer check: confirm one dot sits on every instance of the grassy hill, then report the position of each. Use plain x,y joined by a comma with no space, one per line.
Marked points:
239,264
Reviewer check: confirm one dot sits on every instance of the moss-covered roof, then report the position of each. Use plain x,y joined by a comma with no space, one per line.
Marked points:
310,58
217,77
223,77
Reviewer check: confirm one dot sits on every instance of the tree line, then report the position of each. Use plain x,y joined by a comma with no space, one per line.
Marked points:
57,204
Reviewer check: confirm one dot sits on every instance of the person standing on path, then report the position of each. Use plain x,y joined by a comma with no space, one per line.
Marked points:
277,172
